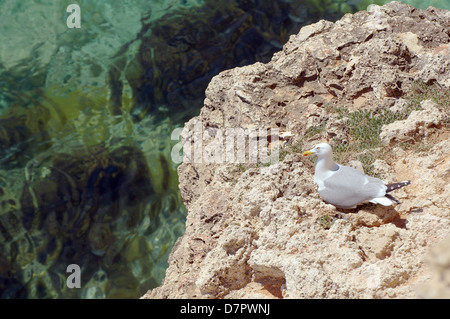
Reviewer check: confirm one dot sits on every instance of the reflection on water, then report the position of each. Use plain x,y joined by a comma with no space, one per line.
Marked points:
86,117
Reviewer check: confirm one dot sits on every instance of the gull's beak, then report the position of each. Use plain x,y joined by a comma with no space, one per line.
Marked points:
307,153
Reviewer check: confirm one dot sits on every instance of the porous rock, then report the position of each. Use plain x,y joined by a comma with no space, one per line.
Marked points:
418,125
262,231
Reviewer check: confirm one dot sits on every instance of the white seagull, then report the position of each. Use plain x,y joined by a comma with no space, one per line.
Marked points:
346,187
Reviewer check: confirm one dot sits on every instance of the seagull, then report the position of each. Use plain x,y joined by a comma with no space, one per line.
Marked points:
346,187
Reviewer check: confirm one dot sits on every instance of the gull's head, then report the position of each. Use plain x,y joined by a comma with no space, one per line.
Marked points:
321,150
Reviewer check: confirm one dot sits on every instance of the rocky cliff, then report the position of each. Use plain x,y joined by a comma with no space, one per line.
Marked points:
374,84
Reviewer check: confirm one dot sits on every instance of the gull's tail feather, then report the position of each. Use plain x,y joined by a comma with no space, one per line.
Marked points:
385,201
394,186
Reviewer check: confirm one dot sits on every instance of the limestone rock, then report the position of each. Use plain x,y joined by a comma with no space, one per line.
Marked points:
418,125
262,231
439,260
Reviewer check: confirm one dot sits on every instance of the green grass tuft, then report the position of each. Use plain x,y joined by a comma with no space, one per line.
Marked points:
365,125
326,221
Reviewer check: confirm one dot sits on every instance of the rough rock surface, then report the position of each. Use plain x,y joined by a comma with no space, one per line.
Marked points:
417,126
262,231
439,261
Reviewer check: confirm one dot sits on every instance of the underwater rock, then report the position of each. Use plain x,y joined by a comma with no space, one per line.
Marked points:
23,133
181,52
80,184
81,208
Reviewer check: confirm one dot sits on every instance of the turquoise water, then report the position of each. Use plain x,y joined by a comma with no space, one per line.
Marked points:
423,4
86,116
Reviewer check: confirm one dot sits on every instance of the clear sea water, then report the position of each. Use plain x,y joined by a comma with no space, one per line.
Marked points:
86,116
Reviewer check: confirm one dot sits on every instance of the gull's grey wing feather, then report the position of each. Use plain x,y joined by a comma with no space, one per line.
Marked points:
348,187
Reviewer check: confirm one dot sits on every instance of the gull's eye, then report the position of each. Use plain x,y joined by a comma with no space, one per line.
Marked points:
318,148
